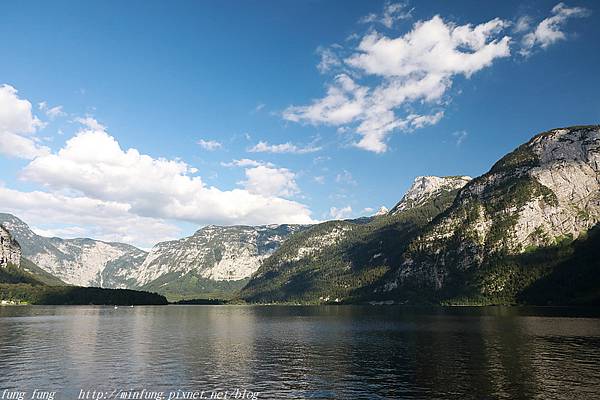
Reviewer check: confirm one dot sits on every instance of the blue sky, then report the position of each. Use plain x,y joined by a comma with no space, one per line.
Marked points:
128,120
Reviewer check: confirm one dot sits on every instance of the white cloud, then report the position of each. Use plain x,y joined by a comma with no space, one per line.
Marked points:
433,47
86,217
18,126
319,179
417,67
268,181
210,145
340,213
246,162
345,102
265,147
328,59
392,12
460,136
522,24
91,123
51,112
420,121
549,31
93,165
345,177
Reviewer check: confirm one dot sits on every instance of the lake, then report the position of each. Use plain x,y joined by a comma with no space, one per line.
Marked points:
278,352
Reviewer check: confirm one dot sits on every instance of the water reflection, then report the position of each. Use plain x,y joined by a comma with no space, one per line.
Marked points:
304,352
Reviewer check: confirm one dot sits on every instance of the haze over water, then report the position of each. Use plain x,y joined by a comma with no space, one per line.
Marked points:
349,352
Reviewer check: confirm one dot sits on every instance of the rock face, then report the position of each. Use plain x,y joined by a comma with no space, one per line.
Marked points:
382,211
83,262
545,192
426,187
213,254
10,251
218,253
337,261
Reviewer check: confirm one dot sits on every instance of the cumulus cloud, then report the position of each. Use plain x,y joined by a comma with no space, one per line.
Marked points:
269,181
264,178
18,126
93,166
379,83
85,217
415,68
340,213
210,145
550,30
265,147
433,47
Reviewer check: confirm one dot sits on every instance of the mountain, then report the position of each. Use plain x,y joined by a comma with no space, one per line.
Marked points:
216,260
10,250
426,187
10,260
527,231
511,235
21,281
39,274
337,260
84,262
510,227
16,269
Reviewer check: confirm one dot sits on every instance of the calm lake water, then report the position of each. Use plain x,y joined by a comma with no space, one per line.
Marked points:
341,352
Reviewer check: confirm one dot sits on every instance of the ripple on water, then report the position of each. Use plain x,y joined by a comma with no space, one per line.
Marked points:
305,352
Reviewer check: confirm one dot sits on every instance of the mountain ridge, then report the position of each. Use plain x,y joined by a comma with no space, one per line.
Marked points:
545,192
448,240
80,261
425,187
500,234
220,257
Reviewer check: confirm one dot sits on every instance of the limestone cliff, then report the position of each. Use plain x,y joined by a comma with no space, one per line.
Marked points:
427,187
10,251
545,192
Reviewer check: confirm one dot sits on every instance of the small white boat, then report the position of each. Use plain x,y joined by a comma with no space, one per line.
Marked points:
116,307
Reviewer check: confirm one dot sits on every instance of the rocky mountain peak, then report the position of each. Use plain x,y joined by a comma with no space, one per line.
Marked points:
15,226
10,251
579,144
545,192
425,187
382,211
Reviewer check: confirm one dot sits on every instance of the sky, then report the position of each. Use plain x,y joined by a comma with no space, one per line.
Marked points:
142,121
